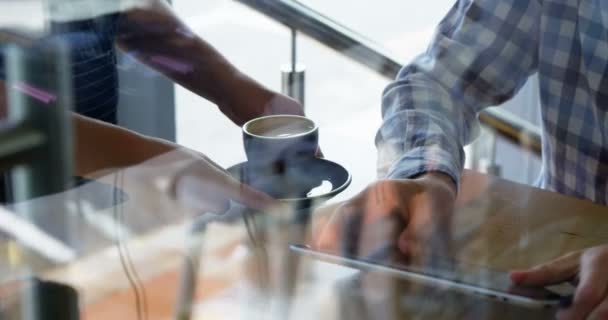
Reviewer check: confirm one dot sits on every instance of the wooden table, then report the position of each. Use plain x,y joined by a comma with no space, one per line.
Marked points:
497,224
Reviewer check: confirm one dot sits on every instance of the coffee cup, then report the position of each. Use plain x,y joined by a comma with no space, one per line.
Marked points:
276,141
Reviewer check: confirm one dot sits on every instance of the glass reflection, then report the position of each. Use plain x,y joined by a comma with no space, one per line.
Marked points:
183,236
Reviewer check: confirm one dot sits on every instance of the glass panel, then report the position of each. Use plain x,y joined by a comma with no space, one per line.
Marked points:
203,160
404,28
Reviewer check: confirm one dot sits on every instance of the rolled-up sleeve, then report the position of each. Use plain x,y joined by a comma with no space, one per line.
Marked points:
482,53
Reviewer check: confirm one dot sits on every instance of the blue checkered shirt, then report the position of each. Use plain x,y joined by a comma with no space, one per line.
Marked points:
482,54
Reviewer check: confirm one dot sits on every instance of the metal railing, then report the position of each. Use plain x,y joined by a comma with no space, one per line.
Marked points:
364,51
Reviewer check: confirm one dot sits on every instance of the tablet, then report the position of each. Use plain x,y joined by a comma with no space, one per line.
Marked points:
448,275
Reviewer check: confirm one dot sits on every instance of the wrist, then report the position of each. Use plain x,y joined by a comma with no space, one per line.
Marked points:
138,148
244,99
282,104
441,179
152,147
251,100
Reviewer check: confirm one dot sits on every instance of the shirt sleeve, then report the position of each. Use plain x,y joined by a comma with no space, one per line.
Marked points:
482,53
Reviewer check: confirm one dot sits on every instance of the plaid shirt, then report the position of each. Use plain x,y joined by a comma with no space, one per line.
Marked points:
482,54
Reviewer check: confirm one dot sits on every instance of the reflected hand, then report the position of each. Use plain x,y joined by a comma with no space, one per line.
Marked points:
205,186
183,180
414,213
589,267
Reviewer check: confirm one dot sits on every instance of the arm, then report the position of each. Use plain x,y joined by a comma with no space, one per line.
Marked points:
196,181
201,184
98,145
480,56
158,38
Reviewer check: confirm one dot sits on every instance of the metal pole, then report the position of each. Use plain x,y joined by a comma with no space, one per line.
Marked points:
293,75
294,49
491,166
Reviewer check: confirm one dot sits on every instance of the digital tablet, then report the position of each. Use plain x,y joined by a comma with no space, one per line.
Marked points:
448,275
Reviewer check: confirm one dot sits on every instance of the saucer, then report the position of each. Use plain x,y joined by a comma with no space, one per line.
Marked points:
311,180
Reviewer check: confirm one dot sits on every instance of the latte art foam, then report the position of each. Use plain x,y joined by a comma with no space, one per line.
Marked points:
280,127
286,130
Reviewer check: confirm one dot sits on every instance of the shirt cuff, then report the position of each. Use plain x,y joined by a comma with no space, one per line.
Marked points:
427,159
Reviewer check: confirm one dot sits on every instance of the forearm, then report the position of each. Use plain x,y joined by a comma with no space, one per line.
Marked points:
100,146
430,111
158,38
419,136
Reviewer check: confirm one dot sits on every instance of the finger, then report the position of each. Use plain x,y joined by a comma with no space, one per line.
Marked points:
237,190
346,233
248,196
322,219
556,271
344,224
592,287
210,161
421,233
412,237
216,181
330,234
242,193
364,223
351,227
319,153
198,196
601,312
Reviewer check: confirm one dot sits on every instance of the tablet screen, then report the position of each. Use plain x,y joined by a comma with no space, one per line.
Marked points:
445,273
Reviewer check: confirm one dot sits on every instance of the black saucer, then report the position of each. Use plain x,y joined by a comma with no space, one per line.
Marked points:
314,180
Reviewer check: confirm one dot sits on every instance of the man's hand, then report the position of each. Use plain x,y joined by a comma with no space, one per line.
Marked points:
250,101
414,213
589,268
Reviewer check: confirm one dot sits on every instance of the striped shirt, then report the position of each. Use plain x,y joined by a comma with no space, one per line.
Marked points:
482,54
93,64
